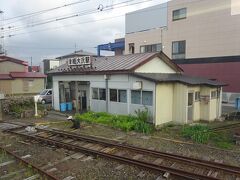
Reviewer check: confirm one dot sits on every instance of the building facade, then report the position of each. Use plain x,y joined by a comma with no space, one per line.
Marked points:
16,80
189,30
126,83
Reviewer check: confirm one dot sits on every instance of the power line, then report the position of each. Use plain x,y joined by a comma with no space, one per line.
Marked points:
45,10
87,12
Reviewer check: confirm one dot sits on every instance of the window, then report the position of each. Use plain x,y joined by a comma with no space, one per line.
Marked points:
179,14
113,95
213,94
136,97
178,49
49,92
131,48
102,94
197,96
147,98
30,83
190,99
122,96
151,48
94,93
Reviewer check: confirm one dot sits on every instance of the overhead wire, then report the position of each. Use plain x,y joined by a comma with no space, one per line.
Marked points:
107,8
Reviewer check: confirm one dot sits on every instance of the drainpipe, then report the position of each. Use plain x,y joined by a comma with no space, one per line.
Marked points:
106,86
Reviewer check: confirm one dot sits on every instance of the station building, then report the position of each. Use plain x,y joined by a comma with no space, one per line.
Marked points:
125,83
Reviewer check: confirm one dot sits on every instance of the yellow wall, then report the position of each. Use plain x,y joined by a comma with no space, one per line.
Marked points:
164,103
155,66
6,67
171,103
196,104
16,86
180,103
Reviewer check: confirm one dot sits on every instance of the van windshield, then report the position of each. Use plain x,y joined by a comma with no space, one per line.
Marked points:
43,92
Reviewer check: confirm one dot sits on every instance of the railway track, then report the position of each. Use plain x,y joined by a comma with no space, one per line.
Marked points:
226,127
24,170
175,165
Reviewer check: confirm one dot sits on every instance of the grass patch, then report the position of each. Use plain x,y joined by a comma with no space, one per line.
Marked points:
222,140
124,122
197,133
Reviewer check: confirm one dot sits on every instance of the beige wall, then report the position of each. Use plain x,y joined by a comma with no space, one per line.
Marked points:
155,66
164,103
6,67
210,30
5,86
171,103
16,86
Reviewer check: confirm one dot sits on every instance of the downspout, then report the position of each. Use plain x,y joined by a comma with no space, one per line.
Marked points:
106,86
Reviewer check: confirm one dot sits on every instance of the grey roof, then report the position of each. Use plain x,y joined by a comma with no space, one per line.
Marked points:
186,79
124,63
77,53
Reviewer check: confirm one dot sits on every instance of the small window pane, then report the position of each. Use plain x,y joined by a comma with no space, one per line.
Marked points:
122,96
159,47
197,96
102,94
142,49
136,97
94,93
147,98
213,94
179,14
113,95
190,99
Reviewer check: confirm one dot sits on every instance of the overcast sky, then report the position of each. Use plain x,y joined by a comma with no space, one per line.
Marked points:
59,37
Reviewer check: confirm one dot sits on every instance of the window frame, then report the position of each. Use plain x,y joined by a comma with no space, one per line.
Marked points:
215,94
110,95
118,95
141,97
179,52
197,96
99,97
151,47
179,18
97,93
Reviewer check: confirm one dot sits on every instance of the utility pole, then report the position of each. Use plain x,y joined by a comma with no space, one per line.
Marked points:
2,51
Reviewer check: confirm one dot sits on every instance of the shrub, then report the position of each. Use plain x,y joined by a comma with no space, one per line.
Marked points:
124,122
198,133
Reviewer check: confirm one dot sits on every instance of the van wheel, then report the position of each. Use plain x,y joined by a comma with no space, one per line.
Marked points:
43,101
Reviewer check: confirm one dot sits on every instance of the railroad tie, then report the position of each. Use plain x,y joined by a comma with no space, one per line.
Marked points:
141,174
36,176
158,161
138,156
120,167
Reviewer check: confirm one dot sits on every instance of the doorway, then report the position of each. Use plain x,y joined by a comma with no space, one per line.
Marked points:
190,107
82,97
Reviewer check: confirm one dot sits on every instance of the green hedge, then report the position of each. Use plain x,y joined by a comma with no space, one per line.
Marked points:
124,122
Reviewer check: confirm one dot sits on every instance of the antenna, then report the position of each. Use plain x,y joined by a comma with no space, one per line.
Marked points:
1,33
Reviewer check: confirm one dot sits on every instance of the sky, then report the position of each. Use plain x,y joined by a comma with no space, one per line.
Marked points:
31,38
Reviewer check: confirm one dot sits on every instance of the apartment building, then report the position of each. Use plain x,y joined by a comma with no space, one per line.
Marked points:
201,36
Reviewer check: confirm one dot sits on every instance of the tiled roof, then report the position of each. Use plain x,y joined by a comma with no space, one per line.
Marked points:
27,75
5,77
7,58
186,79
122,63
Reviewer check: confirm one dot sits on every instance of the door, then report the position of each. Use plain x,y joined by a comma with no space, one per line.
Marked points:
83,100
190,106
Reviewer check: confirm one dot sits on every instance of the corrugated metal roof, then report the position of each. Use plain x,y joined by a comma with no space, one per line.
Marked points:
190,80
115,63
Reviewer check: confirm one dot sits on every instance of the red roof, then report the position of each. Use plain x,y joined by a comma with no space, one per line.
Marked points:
27,75
5,77
7,58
